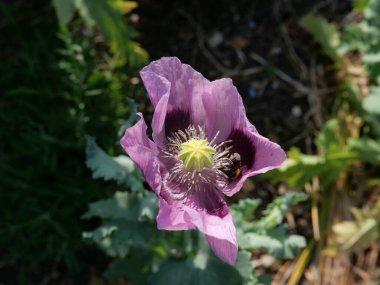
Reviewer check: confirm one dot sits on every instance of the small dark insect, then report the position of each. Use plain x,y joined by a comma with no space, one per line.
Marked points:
232,171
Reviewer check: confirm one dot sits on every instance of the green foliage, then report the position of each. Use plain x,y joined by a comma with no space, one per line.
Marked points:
57,88
370,27
65,10
124,205
364,37
128,230
366,150
120,168
361,5
372,103
335,158
357,234
275,211
106,16
342,146
268,232
199,269
336,148
275,242
324,33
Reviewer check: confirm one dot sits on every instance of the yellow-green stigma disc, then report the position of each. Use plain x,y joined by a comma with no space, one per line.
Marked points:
196,154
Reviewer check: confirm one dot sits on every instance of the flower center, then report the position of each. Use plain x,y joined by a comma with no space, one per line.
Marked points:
198,162
196,154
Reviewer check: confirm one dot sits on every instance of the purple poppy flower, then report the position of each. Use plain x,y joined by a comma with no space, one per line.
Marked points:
203,147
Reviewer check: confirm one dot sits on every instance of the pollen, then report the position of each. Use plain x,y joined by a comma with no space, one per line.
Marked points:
196,154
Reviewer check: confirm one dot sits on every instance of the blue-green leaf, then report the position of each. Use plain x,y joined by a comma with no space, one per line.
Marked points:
120,168
116,237
200,271
372,103
275,211
275,242
64,10
124,205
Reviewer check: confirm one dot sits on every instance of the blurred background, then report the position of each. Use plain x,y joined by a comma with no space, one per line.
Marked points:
75,210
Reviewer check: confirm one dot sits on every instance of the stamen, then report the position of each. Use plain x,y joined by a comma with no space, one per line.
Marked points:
198,162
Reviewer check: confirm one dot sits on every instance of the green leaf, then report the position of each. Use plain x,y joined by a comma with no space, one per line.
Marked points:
112,26
120,168
244,265
366,149
310,166
292,245
275,242
370,28
116,236
136,267
299,168
246,207
326,34
275,211
258,241
198,270
124,205
64,10
372,60
125,6
327,139
372,103
131,119
371,14
351,235
361,5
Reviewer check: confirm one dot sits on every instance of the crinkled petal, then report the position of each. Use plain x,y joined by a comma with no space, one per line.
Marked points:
172,217
158,121
210,214
258,155
224,109
144,153
173,87
226,250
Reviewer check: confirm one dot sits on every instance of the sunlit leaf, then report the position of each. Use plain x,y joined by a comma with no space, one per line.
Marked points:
109,20
361,5
246,207
351,235
275,211
371,29
327,139
366,149
372,102
110,24
125,6
275,242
